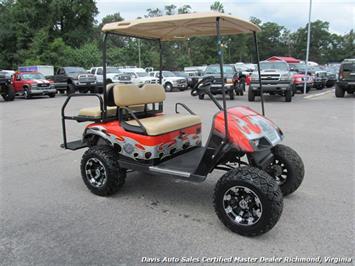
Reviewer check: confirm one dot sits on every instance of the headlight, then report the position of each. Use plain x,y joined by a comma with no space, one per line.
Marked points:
34,84
285,77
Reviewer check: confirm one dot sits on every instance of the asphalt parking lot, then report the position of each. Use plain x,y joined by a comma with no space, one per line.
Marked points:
48,217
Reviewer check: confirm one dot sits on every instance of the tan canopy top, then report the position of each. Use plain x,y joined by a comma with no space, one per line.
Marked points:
181,26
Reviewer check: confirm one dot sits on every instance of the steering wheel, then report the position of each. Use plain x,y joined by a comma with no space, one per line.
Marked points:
203,85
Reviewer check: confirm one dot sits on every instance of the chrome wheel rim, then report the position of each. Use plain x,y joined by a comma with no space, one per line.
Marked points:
279,171
95,172
242,205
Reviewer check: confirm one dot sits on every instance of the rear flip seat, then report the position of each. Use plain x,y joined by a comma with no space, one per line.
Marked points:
127,95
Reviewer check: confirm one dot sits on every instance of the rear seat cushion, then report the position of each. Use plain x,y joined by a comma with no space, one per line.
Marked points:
95,112
130,94
161,124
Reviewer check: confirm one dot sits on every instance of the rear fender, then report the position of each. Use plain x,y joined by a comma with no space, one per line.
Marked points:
93,134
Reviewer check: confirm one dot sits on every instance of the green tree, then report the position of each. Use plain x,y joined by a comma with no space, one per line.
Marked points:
217,6
170,10
185,9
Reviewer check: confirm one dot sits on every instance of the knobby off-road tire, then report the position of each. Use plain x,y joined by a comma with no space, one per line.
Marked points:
27,93
251,95
9,95
231,95
291,167
105,159
339,92
70,89
288,95
258,183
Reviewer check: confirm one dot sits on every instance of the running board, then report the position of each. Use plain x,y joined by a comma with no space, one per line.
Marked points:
180,174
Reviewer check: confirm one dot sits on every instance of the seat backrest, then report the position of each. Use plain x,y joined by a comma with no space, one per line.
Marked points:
129,94
109,91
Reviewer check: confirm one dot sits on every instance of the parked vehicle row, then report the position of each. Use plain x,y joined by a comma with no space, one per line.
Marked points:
278,78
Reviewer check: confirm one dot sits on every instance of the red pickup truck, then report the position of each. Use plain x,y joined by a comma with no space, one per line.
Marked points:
31,84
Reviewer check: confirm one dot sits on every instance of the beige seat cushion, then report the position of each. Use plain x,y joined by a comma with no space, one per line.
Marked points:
96,111
130,94
111,111
161,124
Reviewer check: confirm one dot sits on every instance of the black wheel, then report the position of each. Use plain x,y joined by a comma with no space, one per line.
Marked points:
84,90
307,89
248,201
9,95
108,81
70,89
251,95
201,96
94,90
288,95
27,93
101,172
168,87
287,169
51,95
231,94
339,92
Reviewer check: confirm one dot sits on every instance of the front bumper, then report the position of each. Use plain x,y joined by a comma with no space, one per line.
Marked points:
347,85
42,91
80,85
268,87
180,85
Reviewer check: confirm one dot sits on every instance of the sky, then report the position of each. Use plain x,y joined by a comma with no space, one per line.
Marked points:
291,14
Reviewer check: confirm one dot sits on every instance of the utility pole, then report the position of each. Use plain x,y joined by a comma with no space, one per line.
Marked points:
307,51
139,54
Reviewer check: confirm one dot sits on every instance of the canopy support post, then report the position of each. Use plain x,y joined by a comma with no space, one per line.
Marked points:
220,57
104,75
160,63
258,63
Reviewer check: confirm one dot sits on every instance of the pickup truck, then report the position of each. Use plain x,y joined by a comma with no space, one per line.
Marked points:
111,75
276,79
72,79
170,81
139,76
30,84
6,90
346,78
230,80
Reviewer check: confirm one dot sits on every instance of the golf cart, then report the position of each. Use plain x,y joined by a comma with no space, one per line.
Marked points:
130,131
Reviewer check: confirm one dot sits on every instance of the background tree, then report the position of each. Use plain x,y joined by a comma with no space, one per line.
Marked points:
64,32
217,6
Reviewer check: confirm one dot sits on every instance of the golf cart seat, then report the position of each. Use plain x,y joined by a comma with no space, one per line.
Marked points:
127,95
95,112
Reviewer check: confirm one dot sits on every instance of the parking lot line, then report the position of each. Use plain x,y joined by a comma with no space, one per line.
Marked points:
318,94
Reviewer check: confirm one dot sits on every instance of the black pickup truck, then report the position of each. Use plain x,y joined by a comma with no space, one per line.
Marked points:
346,79
72,79
6,90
